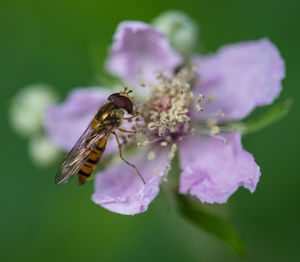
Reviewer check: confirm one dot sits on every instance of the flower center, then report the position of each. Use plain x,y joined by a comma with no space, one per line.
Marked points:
163,104
166,109
166,112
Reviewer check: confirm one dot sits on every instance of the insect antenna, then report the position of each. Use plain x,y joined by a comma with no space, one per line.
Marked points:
126,92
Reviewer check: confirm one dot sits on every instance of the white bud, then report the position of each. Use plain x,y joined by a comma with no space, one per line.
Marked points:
181,30
27,106
43,152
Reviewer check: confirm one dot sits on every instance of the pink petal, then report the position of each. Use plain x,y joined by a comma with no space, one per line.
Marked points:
66,122
120,190
139,51
213,171
242,76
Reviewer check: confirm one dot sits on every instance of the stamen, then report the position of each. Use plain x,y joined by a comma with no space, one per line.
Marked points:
168,104
145,143
199,108
211,132
221,138
141,144
200,98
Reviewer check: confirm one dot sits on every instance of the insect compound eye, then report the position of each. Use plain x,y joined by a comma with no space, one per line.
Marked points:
121,101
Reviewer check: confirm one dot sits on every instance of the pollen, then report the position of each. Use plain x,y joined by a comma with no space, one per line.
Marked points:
214,130
151,155
221,113
152,126
211,98
174,148
164,143
212,122
199,108
171,155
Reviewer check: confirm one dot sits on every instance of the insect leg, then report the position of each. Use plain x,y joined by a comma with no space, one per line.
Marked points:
128,163
127,131
131,117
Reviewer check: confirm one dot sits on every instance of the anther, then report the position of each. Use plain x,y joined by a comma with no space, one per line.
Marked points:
171,155
221,113
214,130
212,122
211,98
151,155
163,143
199,108
173,148
152,126
200,98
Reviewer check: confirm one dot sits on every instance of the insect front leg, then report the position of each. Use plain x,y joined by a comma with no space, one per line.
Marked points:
127,131
131,117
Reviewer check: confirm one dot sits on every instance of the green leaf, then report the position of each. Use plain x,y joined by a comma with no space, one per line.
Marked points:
210,223
195,212
267,117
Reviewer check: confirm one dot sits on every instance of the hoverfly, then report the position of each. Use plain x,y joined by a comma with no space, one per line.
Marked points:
87,152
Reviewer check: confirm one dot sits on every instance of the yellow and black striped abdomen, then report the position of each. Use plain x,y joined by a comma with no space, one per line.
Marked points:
93,159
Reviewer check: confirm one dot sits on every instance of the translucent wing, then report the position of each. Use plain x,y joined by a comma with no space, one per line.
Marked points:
80,153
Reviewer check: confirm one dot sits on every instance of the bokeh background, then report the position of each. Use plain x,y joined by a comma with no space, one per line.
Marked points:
64,43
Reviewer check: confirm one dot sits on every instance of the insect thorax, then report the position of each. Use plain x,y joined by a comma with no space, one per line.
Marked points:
107,116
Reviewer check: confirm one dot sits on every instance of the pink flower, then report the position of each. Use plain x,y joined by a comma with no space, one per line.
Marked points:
233,81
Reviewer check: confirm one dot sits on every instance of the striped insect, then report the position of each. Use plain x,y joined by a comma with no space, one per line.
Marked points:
87,152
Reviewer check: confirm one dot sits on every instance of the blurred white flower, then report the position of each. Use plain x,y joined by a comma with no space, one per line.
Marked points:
27,106
43,152
180,29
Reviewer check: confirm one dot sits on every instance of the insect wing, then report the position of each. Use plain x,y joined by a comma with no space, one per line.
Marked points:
79,154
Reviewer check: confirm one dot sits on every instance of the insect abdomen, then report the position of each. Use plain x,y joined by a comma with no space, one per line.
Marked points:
90,165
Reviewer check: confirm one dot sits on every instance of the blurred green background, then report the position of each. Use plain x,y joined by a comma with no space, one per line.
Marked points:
64,43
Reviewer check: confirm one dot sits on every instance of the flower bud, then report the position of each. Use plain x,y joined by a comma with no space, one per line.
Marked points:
27,106
181,30
43,152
